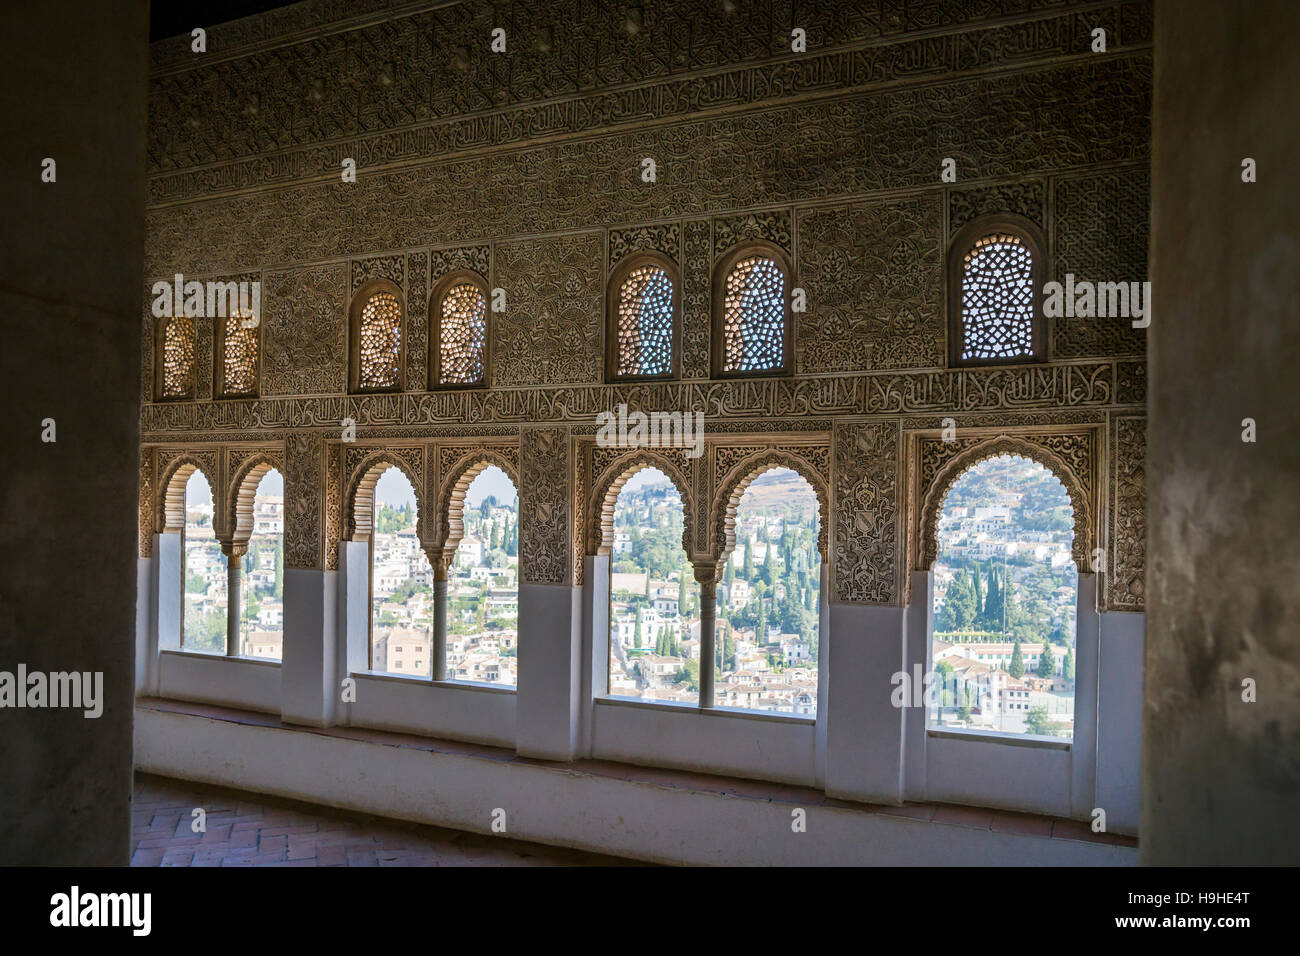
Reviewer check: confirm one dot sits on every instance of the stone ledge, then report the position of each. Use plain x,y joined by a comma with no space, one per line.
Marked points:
715,819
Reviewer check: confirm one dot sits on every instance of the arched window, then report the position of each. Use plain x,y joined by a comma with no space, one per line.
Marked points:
1005,598
751,299
642,318
401,581
483,584
377,356
237,350
995,278
174,365
768,598
261,622
203,572
654,602
459,345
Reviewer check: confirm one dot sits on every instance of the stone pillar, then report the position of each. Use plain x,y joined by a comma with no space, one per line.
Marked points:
439,664
234,600
550,607
1220,765
864,730
309,681
71,255
706,575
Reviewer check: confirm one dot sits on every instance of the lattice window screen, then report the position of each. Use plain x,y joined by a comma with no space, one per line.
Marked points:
753,329
997,299
178,358
379,348
462,335
645,322
239,361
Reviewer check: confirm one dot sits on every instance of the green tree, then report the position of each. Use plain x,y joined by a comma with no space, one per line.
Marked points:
689,674
1046,662
943,675
1067,666
1037,722
194,584
1017,666
747,568
958,610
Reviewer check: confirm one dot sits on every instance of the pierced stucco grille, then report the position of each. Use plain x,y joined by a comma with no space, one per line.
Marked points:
380,339
645,322
463,333
178,358
997,299
753,330
239,363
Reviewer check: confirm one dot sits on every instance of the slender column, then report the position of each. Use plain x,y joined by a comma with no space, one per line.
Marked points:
706,575
439,621
234,606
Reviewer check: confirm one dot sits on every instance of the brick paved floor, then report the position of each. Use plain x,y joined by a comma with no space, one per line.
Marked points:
247,829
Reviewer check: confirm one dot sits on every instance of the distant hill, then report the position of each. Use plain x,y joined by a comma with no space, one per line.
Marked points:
779,492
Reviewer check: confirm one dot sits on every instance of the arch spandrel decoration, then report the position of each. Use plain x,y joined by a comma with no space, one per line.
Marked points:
1035,448
247,469
456,480
731,487
610,481
364,466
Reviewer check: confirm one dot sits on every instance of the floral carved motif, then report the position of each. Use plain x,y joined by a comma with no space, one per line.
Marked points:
864,557
550,331
1126,576
544,502
305,334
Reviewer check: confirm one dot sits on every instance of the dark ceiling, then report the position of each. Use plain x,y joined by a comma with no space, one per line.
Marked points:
168,18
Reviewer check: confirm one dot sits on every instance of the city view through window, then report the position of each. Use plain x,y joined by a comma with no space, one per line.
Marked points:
1005,593
261,616
482,584
767,600
204,573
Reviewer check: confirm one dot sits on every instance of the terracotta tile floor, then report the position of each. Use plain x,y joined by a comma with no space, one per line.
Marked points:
245,829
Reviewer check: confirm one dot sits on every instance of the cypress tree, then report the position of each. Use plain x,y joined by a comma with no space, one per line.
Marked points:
1017,666
1046,662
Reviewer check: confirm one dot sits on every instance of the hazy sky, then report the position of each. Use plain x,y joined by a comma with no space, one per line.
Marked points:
392,488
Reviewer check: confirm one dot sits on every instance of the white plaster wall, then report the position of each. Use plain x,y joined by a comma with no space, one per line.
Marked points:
1119,720
864,731
564,808
710,741
550,679
217,679
1083,750
310,683
1007,773
445,709
146,655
